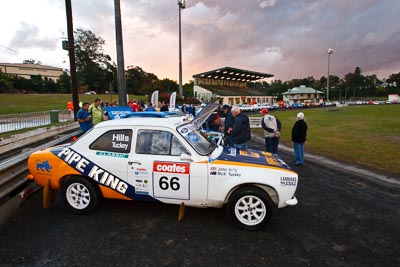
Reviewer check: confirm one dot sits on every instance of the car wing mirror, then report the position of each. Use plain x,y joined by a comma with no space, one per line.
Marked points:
186,157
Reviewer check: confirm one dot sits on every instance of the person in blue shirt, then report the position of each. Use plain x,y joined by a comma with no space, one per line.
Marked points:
150,107
84,117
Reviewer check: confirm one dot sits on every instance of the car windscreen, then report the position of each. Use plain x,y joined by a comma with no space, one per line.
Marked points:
196,139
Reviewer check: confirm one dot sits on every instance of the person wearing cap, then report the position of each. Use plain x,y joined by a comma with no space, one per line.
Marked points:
241,129
228,123
299,137
272,128
84,118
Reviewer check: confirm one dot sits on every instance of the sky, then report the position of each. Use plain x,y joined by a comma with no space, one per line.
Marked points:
286,38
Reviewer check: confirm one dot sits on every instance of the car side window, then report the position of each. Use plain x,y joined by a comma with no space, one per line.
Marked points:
177,148
158,143
114,141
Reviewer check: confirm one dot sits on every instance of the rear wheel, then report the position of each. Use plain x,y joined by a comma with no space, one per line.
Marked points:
249,208
81,195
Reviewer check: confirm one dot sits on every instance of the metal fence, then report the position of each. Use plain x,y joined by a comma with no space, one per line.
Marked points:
13,122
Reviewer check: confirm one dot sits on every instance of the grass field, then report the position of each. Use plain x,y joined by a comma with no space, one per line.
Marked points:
17,103
365,136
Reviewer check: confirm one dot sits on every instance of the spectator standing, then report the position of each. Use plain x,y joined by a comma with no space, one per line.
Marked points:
272,128
96,111
299,137
135,106
241,129
150,107
189,109
214,122
164,107
84,118
228,123
184,108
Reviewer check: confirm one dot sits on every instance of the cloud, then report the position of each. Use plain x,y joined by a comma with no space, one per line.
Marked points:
267,3
28,36
286,38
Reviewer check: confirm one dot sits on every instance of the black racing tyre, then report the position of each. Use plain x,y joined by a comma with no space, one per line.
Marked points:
249,208
81,195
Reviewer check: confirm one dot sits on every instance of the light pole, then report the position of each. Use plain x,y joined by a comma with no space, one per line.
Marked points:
330,51
181,5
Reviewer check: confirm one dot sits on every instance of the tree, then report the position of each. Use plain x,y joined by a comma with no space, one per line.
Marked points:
64,83
163,86
188,89
394,80
31,61
138,81
355,82
91,62
5,83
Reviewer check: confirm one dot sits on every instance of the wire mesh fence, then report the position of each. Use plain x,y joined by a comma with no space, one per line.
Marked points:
13,122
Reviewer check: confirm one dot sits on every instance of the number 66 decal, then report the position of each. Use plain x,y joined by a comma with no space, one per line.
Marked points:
173,183
171,180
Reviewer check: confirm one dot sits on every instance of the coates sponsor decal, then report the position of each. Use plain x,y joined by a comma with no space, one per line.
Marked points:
171,167
97,173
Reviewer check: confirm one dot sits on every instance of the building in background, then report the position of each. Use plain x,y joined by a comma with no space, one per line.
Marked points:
28,71
230,86
302,95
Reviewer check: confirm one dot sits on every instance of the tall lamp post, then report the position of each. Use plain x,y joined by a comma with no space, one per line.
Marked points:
181,5
330,51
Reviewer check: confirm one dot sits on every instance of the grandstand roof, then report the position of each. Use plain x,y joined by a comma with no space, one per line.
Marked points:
233,74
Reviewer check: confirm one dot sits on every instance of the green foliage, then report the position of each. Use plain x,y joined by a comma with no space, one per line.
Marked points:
31,61
6,85
64,83
91,61
163,86
188,90
138,81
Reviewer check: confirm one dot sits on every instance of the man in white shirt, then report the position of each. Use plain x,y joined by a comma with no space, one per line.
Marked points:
271,126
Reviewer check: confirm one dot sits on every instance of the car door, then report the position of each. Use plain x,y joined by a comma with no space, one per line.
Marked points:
161,166
104,153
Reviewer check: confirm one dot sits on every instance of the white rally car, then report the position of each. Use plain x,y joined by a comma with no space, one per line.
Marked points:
165,160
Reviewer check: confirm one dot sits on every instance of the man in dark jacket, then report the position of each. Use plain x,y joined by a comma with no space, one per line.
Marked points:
228,125
241,129
299,135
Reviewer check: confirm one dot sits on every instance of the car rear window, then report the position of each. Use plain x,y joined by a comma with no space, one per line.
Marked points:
114,141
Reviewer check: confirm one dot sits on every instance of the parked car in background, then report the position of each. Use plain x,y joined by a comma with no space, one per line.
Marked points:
90,93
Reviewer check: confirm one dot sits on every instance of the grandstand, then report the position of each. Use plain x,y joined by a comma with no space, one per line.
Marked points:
230,86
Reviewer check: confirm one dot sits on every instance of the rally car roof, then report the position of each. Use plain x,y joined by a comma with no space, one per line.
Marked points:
144,121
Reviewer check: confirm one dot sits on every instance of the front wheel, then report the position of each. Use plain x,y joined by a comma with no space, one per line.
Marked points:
81,195
249,208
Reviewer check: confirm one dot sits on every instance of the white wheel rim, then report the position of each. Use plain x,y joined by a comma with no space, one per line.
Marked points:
78,196
250,210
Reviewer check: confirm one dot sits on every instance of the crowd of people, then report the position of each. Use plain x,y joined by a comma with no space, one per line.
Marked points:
234,124
236,128
91,114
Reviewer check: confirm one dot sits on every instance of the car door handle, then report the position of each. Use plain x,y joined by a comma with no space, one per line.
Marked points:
134,162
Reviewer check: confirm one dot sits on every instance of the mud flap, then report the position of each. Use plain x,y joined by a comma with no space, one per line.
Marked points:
181,211
49,195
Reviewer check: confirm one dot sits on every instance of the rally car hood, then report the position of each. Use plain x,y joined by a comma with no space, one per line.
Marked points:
250,156
204,114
